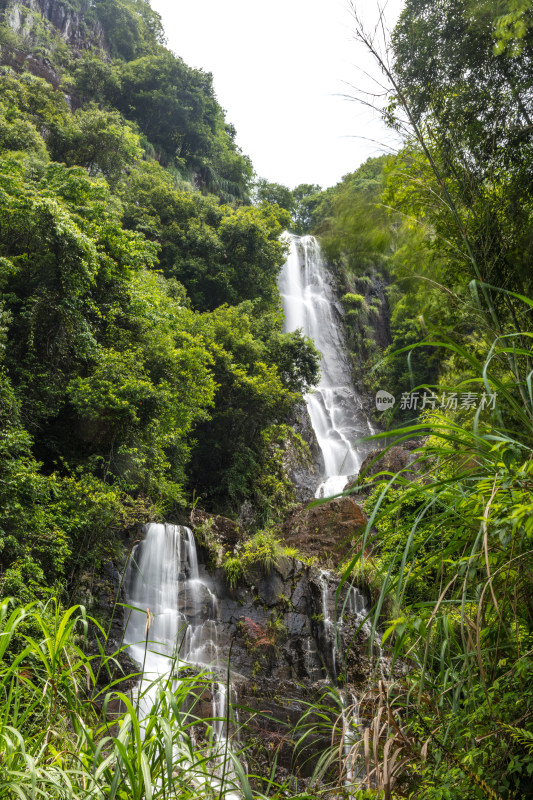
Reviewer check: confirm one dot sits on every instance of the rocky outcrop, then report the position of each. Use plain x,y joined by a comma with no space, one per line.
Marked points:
215,535
19,60
325,530
301,424
303,468
291,634
226,532
285,653
100,593
399,458
69,24
41,28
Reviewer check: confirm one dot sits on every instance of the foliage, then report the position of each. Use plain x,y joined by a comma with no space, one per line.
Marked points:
220,254
451,548
61,738
274,194
175,107
140,330
131,27
459,596
478,144
112,368
261,550
274,492
302,202
99,141
260,373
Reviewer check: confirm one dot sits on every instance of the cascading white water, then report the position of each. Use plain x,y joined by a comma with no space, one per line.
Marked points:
163,581
338,420
334,406
164,585
356,606
163,578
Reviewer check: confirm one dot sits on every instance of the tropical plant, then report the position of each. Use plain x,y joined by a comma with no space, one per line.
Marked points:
454,555
71,726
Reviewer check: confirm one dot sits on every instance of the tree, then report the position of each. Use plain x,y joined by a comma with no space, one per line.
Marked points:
471,101
275,193
219,253
100,141
176,108
259,373
307,198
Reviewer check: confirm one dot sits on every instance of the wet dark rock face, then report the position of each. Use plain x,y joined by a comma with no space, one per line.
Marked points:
399,458
304,476
278,629
283,655
100,593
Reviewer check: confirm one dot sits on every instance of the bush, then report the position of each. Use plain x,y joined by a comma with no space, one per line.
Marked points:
262,550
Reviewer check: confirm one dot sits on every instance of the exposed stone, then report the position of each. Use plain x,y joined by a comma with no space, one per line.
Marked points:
70,25
271,588
304,475
300,595
216,535
326,530
285,567
399,458
283,655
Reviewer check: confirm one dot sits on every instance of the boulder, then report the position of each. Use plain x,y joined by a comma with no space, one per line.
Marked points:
399,458
325,530
216,532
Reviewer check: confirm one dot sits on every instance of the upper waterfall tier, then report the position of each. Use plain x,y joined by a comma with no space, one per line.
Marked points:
335,408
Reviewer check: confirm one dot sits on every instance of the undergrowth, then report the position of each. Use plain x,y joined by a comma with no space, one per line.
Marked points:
452,552
262,550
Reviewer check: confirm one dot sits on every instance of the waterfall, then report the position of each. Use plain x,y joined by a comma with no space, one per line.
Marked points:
164,586
163,577
164,583
335,408
337,417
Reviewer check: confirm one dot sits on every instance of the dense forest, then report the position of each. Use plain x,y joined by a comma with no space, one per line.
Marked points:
144,371
143,358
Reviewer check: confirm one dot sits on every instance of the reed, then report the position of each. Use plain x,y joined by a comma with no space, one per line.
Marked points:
453,553
64,736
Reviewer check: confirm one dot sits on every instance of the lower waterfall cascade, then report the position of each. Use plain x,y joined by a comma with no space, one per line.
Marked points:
194,617
173,620
166,586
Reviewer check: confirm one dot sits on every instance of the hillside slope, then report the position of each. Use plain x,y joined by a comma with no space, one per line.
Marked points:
142,353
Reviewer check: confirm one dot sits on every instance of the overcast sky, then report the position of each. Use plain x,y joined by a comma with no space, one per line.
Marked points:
279,68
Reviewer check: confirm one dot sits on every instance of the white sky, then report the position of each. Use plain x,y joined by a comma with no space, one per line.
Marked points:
279,67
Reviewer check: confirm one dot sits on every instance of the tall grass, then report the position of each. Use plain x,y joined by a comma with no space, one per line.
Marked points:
454,552
63,735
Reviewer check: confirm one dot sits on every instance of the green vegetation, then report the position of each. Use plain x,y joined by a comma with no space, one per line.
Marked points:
303,202
71,728
445,228
141,354
261,550
142,362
